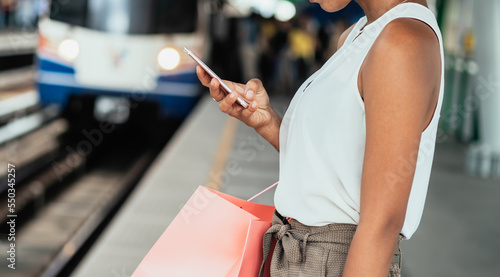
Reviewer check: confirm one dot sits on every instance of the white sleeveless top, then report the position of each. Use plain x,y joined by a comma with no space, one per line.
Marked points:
322,141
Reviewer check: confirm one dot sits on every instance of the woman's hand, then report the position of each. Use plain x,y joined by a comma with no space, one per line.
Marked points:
259,114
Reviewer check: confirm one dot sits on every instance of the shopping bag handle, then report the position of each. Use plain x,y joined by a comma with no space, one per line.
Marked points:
262,192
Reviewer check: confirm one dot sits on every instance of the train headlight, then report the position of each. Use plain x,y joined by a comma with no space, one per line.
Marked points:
68,49
169,58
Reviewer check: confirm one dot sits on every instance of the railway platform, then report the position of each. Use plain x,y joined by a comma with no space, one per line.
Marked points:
209,149
458,235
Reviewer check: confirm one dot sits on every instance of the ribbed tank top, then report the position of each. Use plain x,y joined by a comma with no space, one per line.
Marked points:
322,135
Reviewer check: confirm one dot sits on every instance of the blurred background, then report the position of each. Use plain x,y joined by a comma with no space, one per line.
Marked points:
91,91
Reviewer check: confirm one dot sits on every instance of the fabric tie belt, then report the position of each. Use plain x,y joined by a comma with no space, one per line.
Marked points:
292,247
294,240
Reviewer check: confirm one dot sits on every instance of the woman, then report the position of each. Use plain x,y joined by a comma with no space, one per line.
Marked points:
356,144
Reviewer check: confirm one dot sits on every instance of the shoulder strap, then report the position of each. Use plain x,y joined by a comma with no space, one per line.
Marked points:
350,37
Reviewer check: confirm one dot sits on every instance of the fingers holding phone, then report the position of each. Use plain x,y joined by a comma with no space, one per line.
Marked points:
247,102
211,83
203,76
229,104
212,74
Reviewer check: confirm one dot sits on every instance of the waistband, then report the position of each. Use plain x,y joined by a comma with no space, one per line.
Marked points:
334,233
292,238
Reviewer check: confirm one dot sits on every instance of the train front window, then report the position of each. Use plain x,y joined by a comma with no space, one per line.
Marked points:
129,16
72,12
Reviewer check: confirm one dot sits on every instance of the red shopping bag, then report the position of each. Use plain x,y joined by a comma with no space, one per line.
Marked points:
214,234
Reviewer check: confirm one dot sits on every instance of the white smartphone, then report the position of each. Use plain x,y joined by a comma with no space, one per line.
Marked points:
210,72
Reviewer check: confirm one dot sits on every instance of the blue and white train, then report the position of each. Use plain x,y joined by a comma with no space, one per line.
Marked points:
130,49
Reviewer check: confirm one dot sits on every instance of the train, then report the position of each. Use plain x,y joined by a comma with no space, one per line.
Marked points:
121,51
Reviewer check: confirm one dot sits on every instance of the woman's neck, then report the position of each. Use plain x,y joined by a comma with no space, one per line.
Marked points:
376,8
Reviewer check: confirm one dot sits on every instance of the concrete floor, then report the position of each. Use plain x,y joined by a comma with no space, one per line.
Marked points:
460,230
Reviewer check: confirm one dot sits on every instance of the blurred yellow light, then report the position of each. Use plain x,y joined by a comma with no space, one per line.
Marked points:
68,49
169,58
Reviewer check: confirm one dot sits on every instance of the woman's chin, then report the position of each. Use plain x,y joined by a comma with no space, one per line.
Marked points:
331,6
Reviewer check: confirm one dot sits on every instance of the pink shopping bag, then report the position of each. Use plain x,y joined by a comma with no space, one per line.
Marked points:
214,234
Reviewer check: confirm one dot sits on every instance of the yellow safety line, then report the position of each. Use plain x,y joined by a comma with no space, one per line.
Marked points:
223,152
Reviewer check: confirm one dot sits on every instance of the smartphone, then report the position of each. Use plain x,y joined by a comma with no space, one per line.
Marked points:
210,72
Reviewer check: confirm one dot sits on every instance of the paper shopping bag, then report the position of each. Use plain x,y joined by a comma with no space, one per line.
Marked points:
214,234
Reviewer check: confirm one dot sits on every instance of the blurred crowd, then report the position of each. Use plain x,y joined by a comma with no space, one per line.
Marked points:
281,54
20,14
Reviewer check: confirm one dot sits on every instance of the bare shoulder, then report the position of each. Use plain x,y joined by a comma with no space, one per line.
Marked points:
409,40
344,35
403,65
406,49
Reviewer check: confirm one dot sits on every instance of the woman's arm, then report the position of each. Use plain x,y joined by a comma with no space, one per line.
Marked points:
399,82
259,115
271,132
